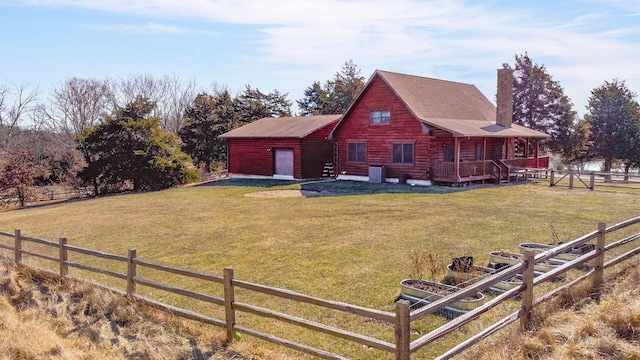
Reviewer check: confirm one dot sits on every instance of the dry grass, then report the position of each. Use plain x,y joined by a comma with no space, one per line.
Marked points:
574,326
350,242
41,318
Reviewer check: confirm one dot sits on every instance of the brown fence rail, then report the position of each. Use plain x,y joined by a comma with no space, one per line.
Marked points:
590,180
400,320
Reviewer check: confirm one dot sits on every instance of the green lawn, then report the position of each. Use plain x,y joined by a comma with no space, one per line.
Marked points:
348,242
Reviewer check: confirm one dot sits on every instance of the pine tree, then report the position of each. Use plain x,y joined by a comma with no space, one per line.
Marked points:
614,116
539,103
336,95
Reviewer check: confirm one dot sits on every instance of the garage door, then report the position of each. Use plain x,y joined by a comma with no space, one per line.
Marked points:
284,162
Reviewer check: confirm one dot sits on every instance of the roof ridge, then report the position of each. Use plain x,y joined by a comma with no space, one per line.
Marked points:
382,72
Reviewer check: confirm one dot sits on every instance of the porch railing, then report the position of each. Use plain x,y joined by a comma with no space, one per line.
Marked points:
445,171
485,169
542,162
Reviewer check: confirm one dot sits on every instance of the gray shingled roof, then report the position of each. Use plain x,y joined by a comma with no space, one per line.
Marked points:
458,108
282,127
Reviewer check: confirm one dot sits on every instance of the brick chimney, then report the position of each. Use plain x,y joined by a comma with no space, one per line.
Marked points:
504,98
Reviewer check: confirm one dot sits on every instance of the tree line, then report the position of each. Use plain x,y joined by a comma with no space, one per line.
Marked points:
148,133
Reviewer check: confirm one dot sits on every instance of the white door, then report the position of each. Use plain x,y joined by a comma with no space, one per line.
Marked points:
284,162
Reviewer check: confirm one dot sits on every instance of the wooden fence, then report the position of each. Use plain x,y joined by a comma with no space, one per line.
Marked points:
589,180
400,320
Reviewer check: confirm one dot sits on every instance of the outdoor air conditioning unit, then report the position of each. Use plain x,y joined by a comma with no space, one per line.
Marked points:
377,174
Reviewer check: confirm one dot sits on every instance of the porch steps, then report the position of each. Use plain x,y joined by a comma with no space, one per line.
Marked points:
328,170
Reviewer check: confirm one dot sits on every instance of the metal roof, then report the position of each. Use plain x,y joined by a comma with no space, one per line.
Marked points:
282,127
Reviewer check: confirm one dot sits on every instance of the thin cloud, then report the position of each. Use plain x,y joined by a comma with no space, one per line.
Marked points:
150,28
455,39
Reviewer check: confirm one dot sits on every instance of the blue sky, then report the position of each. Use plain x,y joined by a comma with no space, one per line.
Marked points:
287,44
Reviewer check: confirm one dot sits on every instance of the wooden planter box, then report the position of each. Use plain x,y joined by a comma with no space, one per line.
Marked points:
426,291
476,273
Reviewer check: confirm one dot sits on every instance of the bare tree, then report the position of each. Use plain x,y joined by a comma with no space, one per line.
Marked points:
15,108
177,95
170,94
128,90
77,105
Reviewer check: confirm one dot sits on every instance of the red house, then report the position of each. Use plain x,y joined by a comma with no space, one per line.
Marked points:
422,130
285,147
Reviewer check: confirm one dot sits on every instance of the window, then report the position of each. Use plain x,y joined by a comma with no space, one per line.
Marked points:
380,117
403,153
356,152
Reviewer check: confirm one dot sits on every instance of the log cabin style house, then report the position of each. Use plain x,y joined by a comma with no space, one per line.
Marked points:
405,128
401,128
281,148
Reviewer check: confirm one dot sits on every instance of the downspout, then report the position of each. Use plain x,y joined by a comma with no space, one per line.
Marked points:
228,157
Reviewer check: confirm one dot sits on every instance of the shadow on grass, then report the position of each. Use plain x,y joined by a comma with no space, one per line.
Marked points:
318,188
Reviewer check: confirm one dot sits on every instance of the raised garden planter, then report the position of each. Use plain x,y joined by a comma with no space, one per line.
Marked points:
425,291
568,256
476,273
504,257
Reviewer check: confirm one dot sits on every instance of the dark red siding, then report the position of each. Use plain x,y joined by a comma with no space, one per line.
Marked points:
255,156
379,139
316,151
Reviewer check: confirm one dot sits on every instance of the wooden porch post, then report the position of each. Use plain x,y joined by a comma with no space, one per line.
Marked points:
535,152
506,147
526,148
456,159
484,157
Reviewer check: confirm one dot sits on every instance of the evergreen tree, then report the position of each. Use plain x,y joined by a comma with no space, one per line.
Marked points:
208,117
129,150
253,104
614,116
539,103
336,95
576,149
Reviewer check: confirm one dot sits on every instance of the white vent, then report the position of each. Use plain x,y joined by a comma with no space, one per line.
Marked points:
377,174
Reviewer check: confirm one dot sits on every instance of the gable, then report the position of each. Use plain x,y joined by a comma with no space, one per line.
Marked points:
456,108
429,98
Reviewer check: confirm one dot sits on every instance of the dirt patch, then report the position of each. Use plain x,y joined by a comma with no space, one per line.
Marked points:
282,193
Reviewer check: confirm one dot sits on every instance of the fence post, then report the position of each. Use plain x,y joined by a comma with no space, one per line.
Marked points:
527,295
592,181
403,330
229,298
570,179
131,273
598,271
18,246
551,178
64,268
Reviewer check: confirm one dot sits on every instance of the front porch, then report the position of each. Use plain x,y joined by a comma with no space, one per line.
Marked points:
504,170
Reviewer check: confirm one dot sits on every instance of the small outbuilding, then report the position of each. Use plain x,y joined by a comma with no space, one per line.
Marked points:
283,148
